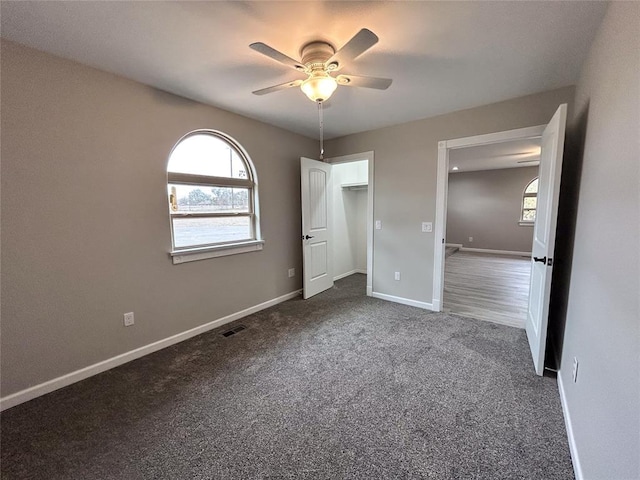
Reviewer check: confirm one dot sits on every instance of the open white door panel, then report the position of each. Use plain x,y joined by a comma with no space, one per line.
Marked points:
544,234
317,253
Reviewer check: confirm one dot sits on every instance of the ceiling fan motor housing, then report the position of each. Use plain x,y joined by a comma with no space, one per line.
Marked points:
315,54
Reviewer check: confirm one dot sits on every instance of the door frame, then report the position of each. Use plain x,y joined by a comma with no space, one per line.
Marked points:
354,157
442,187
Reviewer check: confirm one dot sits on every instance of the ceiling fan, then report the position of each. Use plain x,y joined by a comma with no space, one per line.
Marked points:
318,60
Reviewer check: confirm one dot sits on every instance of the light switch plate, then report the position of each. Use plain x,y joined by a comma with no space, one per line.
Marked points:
378,225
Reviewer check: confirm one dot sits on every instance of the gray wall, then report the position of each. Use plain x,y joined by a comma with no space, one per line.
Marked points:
85,227
405,181
603,316
486,205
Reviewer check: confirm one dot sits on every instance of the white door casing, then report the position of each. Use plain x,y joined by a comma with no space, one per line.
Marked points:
442,182
544,234
317,256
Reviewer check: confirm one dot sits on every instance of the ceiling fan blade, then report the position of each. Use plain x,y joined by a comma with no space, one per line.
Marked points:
367,82
362,41
270,52
275,88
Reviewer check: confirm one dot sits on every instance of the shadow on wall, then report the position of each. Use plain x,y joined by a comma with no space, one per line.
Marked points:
171,99
565,236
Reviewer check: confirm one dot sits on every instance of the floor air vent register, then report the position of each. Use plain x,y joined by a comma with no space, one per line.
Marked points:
233,331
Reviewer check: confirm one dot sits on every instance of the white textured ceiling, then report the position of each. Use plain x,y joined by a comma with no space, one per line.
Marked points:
511,154
442,56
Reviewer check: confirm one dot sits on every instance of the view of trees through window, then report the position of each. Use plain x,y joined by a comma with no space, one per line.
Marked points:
210,199
530,201
211,192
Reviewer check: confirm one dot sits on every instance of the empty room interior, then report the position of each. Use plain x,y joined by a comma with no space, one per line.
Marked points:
489,241
251,240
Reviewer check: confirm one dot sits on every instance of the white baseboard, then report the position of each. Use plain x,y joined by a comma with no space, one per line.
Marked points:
86,372
495,252
404,301
575,459
369,291
455,245
343,275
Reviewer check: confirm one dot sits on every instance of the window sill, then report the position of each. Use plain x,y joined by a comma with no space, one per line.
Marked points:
526,224
195,254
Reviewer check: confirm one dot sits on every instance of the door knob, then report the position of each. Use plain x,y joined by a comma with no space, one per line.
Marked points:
538,259
307,237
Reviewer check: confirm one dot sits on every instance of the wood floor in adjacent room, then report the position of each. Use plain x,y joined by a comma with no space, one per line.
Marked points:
488,287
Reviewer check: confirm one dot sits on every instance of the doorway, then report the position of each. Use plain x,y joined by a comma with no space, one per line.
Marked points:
444,166
352,216
491,207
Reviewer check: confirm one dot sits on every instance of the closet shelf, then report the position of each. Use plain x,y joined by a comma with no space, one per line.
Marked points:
355,186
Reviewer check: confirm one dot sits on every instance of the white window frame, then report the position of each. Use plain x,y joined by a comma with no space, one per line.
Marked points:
200,252
522,221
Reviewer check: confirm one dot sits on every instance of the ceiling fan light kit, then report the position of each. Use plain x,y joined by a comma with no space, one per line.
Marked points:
319,86
318,60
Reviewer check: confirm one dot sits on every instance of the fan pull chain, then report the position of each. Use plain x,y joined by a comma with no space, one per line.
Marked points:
321,130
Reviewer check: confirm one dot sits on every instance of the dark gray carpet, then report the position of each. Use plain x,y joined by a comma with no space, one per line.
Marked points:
338,386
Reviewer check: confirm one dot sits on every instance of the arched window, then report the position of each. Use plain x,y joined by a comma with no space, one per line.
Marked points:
529,202
213,197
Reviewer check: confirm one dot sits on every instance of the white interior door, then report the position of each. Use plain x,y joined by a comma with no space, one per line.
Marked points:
317,202
544,234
